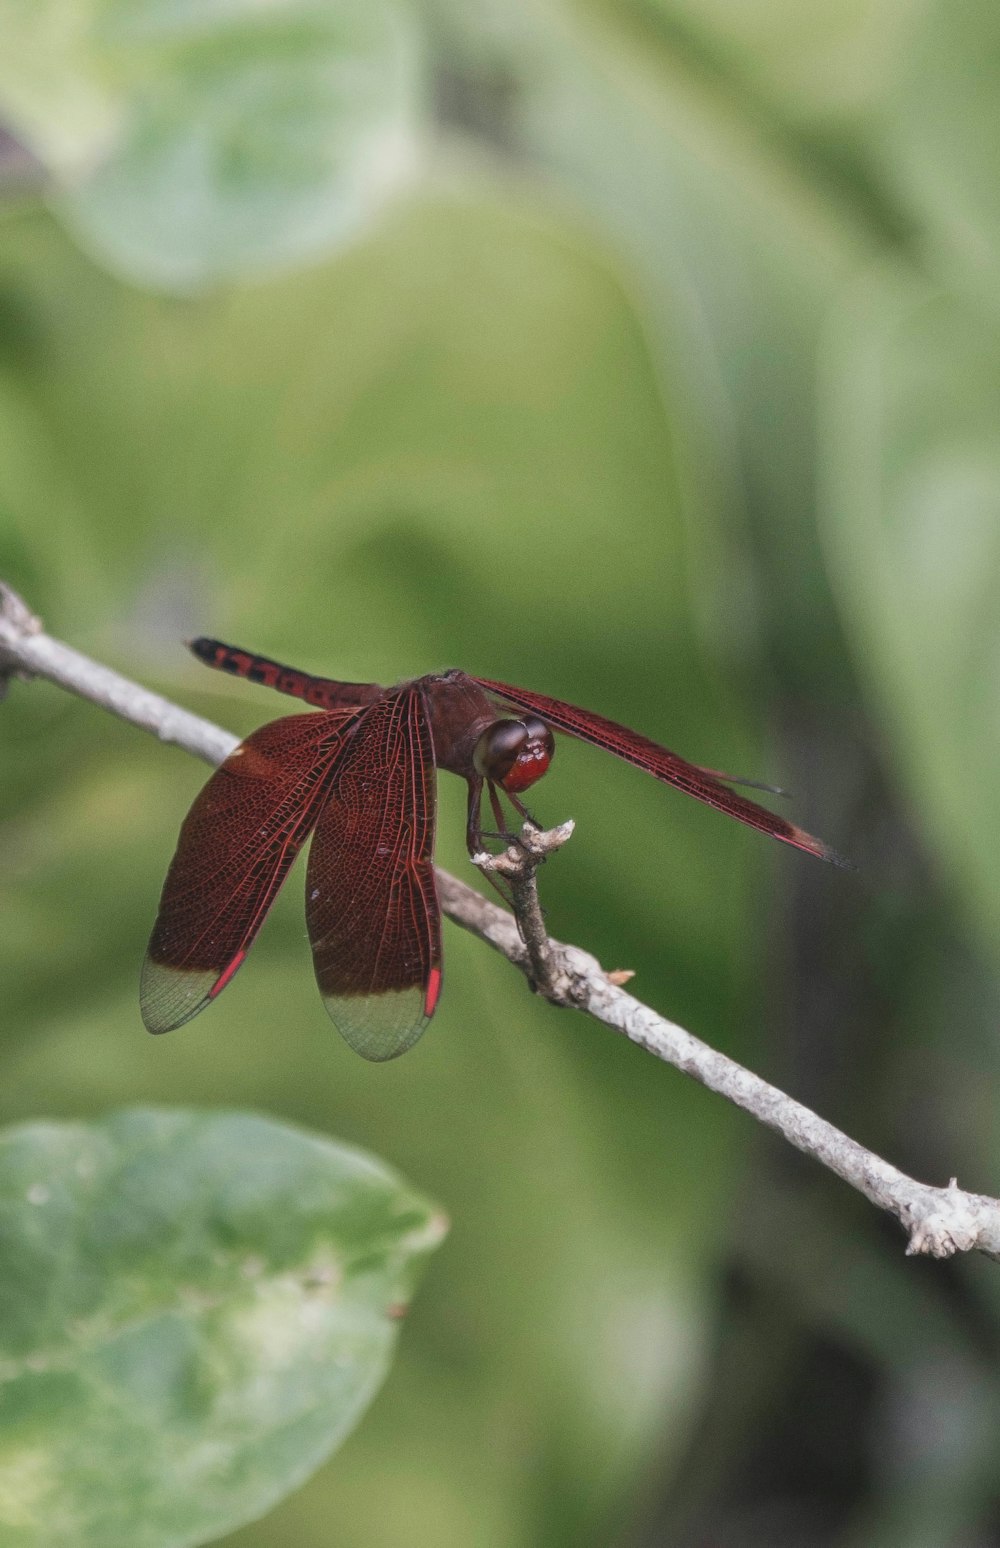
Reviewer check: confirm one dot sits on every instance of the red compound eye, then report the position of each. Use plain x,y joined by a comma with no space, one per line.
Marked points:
498,748
534,757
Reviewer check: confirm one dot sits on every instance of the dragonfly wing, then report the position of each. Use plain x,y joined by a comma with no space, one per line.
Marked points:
704,784
371,903
235,849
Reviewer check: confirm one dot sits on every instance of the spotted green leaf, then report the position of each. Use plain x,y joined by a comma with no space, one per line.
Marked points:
195,1309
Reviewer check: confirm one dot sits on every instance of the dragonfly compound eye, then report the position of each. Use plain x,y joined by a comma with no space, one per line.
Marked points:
498,747
534,757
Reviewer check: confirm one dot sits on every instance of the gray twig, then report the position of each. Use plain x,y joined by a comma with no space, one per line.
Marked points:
938,1221
518,865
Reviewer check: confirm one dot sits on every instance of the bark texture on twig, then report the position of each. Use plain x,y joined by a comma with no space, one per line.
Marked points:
518,865
25,651
938,1221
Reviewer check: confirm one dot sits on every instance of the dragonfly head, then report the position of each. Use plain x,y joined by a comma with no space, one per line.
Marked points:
514,753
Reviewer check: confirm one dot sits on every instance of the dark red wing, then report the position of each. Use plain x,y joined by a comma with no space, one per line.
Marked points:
371,904
701,783
235,849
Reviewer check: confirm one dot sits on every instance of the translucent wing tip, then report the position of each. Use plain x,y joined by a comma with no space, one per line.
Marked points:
170,996
814,846
383,1025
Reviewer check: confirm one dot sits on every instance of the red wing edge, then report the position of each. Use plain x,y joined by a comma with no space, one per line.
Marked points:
664,765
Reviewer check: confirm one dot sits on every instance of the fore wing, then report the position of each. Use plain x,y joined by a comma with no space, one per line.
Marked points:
704,784
371,904
236,846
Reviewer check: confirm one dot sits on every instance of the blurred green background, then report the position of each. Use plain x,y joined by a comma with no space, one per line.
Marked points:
646,354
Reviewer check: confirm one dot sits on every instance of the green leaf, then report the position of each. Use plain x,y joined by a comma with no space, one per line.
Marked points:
195,1308
192,143
912,527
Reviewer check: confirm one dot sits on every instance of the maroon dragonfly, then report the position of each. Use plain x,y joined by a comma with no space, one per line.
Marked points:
359,776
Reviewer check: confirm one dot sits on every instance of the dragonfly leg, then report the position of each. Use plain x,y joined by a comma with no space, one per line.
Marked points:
498,815
503,832
473,821
522,810
474,836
